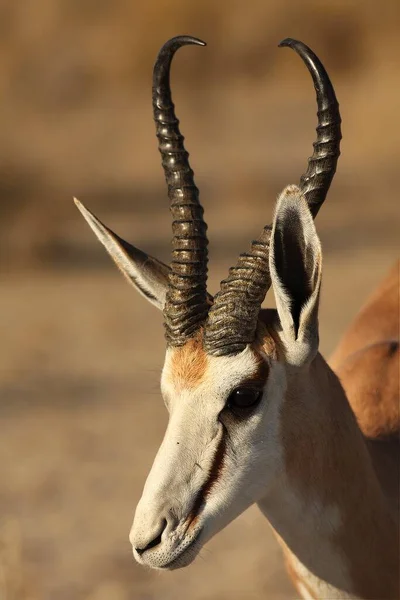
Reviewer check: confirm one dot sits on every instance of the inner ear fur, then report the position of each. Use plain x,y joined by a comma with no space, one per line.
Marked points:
292,261
295,264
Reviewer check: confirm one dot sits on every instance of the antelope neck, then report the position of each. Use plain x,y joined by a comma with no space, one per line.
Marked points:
327,508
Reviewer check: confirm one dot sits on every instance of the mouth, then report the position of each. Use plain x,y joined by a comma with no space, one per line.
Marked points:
181,545
189,544
187,552
173,553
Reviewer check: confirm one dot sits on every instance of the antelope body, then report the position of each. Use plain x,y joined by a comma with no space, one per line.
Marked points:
256,415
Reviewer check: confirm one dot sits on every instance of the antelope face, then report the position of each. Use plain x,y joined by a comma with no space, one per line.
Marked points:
226,368
221,435
222,450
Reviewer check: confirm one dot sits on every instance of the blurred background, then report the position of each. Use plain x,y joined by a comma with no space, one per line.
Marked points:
81,353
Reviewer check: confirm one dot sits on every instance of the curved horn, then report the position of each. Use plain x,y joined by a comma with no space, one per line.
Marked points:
316,181
232,319
186,304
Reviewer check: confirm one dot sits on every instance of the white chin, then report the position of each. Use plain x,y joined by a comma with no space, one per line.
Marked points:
185,559
160,560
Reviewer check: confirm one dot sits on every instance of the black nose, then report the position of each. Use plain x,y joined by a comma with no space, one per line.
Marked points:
154,542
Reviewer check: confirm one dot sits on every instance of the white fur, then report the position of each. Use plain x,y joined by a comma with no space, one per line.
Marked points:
181,469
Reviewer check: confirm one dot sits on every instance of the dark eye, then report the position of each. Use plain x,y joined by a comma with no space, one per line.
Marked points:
244,398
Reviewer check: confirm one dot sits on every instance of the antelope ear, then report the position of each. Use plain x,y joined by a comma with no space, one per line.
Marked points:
147,274
295,267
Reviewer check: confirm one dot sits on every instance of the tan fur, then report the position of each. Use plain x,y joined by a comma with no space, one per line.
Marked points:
188,364
367,361
312,442
368,536
371,381
377,321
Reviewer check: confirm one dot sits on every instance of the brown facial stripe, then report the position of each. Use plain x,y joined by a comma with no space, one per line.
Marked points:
213,477
257,380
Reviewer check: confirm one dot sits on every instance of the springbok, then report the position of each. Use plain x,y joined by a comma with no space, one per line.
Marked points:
256,415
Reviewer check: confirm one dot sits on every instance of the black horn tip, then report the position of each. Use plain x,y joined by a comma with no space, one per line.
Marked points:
320,77
299,47
312,61
181,40
288,42
316,181
165,55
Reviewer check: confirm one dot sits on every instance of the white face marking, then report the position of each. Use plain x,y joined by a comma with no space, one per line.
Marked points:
182,467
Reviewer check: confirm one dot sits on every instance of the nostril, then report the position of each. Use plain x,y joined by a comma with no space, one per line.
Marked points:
154,542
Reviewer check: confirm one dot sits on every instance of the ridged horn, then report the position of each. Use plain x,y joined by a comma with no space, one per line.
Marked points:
186,304
232,319
316,181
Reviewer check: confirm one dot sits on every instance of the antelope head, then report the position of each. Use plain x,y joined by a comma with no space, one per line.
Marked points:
228,363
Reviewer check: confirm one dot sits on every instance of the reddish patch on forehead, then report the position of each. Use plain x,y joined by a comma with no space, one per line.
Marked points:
189,363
